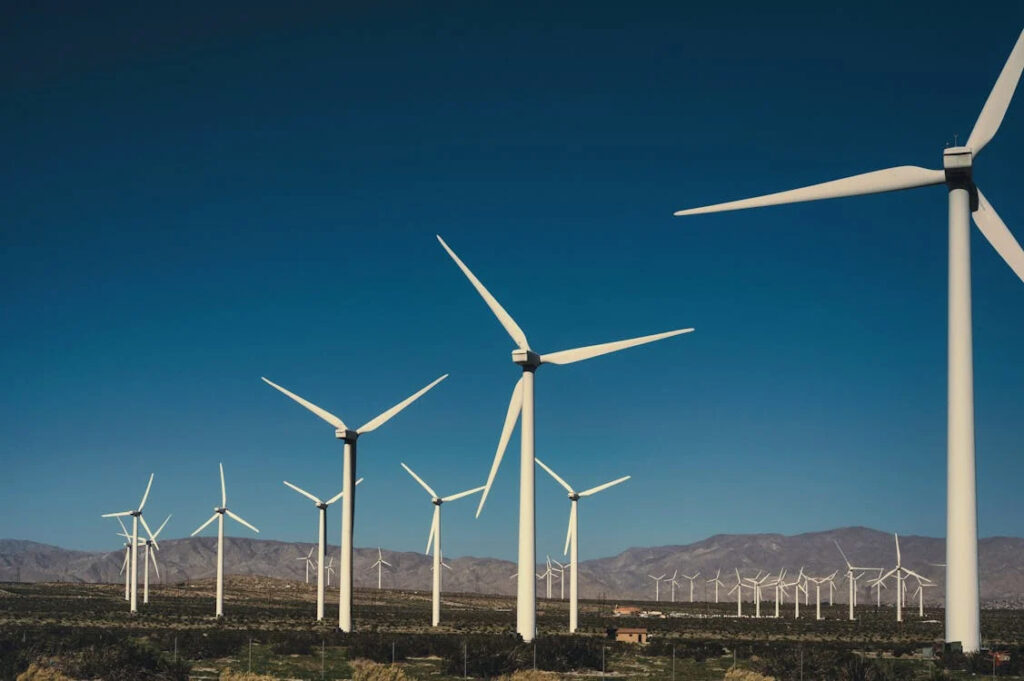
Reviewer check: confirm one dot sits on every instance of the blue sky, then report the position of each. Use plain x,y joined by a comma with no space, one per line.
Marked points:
198,196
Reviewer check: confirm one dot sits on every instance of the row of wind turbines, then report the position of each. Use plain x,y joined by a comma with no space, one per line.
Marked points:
965,201
801,584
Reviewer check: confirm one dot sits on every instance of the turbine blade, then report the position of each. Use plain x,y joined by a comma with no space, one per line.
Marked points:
514,407
161,528
384,562
223,488
123,528
580,354
386,416
998,100
995,230
239,519
322,413
145,496
845,559
554,475
152,557
203,526
116,515
453,497
145,526
595,490
303,492
433,531
898,561
568,532
503,317
418,479
876,182
124,565
342,493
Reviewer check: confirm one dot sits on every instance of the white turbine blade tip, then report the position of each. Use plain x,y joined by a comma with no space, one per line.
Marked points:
998,234
383,418
589,351
504,318
878,181
322,413
998,101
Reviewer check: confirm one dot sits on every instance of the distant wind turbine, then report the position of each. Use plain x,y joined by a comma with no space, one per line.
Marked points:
218,514
349,437
379,564
136,519
572,543
150,557
435,538
321,548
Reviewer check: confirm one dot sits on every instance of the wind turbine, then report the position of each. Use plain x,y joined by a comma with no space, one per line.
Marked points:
572,536
309,562
151,548
739,594
136,518
657,587
691,578
561,578
321,548
379,564
673,583
522,401
435,538
818,581
218,514
717,582
901,573
965,200
330,570
349,437
852,578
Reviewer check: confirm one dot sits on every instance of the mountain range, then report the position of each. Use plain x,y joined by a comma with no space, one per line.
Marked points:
625,576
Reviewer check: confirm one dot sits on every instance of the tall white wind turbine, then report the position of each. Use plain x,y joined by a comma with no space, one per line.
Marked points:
965,200
434,538
136,519
218,514
572,545
349,437
853,573
657,586
522,401
321,548
691,578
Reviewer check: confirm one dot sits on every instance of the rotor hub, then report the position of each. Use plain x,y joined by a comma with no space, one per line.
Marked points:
958,164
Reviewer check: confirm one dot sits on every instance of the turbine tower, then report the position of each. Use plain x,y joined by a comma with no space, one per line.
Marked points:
522,401
349,437
218,514
572,545
136,519
965,200
434,537
322,546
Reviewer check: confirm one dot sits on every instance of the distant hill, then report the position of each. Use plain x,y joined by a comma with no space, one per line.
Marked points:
622,577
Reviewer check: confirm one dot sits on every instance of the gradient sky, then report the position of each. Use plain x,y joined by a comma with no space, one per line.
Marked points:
198,195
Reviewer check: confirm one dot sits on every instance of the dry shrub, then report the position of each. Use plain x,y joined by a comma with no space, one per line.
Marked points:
530,675
737,674
365,670
42,672
229,675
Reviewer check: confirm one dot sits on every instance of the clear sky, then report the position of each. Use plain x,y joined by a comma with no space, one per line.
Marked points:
198,195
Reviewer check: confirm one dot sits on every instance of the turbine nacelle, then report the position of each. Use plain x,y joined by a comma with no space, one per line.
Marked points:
528,359
346,435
